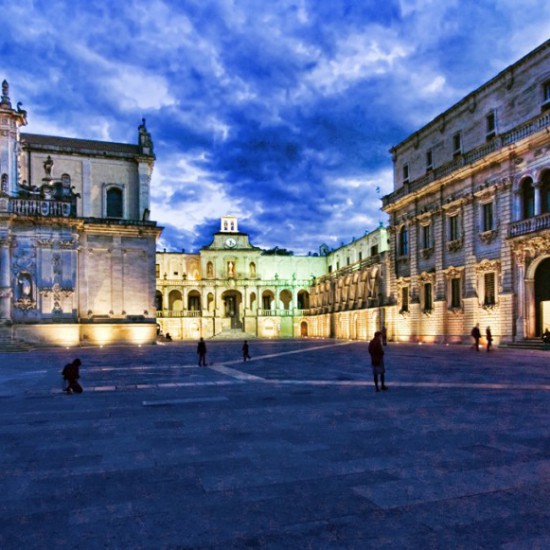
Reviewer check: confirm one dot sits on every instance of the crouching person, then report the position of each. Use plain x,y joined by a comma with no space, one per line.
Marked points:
71,374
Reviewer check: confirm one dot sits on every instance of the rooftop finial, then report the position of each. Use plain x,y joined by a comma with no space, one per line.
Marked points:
6,93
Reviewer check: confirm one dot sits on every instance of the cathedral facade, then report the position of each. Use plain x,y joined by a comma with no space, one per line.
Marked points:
77,249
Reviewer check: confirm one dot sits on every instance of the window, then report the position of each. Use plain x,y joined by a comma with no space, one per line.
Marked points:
528,196
491,126
157,270
428,297
455,293
545,193
337,266
546,95
429,159
266,302
403,242
427,236
330,269
457,144
487,216
347,260
405,298
490,296
114,203
374,250
405,173
454,234
360,256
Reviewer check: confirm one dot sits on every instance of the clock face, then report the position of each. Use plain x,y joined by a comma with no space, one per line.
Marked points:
230,242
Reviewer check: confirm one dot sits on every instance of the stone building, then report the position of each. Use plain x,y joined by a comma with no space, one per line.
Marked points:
470,213
77,249
232,289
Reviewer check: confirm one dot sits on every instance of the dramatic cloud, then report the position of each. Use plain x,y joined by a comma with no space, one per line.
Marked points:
281,113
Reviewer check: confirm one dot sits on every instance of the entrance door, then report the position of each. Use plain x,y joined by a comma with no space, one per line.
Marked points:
542,296
232,302
303,329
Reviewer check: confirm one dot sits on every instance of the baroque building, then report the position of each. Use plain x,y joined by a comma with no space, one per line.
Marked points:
232,288
77,249
470,213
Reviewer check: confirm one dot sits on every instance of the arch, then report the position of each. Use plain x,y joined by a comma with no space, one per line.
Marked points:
252,269
542,296
210,301
210,270
267,299
232,301
303,329
175,301
527,198
252,299
194,300
158,300
285,296
114,203
303,299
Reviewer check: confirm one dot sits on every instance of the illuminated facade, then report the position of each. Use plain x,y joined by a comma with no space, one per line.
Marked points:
77,252
470,213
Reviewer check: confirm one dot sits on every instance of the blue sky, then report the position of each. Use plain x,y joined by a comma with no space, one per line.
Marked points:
281,113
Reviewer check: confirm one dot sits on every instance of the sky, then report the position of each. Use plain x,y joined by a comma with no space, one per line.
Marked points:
281,113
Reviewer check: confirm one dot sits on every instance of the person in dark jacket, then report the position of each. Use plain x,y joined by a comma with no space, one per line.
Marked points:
71,374
245,351
376,351
476,335
489,338
201,351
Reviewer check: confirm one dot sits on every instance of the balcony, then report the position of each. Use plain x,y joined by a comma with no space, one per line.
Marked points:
514,135
178,313
44,208
530,225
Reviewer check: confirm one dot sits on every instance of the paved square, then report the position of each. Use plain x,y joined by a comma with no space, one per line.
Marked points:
293,449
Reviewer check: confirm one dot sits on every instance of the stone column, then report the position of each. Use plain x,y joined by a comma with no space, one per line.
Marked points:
5,287
520,289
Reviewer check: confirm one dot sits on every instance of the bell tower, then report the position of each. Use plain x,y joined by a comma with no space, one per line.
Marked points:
229,224
10,121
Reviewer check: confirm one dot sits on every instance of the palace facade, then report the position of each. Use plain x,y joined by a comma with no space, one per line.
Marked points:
77,249
234,289
470,213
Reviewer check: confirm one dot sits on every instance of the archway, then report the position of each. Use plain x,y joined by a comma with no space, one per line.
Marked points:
175,301
158,300
542,297
232,300
194,301
285,296
303,299
303,329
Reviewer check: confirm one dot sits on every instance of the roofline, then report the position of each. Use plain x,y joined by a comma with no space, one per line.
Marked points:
465,99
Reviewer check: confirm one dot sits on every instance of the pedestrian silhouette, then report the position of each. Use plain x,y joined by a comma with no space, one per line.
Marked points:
489,338
245,351
71,374
376,351
201,351
476,335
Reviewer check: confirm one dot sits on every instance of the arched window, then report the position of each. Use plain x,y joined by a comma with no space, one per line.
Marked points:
303,299
528,196
194,301
403,242
545,193
286,297
114,203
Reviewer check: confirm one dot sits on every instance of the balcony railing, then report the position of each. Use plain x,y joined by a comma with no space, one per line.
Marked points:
178,313
39,207
516,134
530,225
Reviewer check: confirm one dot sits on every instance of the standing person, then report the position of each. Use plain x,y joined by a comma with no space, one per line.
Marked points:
476,335
376,351
201,350
245,351
489,337
71,374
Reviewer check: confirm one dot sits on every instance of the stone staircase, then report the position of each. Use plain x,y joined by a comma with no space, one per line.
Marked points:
527,343
233,334
8,344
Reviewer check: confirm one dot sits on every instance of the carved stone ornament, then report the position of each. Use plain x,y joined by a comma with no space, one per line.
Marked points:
488,266
25,304
454,272
487,237
453,246
426,253
5,293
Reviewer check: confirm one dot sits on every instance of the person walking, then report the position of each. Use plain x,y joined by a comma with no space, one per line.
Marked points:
71,374
489,338
201,351
476,335
376,351
245,351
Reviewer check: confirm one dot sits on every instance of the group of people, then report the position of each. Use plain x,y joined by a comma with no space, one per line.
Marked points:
476,335
201,352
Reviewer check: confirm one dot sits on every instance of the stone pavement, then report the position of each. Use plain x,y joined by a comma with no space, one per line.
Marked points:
293,449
